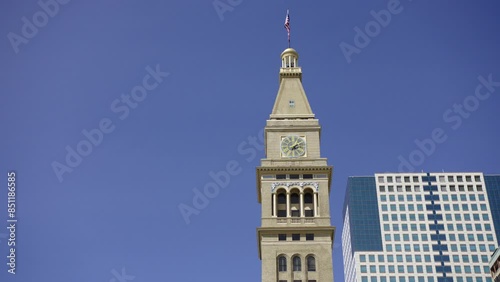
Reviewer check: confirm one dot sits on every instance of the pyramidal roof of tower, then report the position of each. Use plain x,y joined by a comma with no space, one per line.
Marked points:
291,101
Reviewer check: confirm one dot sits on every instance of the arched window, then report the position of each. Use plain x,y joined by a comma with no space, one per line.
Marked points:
311,263
309,203
281,206
308,198
281,263
297,265
294,198
281,198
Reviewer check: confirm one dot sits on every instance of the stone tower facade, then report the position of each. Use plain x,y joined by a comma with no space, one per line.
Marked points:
293,186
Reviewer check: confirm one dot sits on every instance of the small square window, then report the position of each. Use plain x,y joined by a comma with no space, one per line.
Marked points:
296,237
291,103
310,237
282,237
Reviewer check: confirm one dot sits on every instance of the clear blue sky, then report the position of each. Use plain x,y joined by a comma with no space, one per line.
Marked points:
119,205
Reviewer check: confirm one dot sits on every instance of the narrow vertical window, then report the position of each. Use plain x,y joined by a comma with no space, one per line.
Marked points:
281,205
311,263
281,263
297,265
309,203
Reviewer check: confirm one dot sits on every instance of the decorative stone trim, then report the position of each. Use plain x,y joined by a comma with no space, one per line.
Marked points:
274,185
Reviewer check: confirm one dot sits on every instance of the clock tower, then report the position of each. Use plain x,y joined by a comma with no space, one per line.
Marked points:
293,186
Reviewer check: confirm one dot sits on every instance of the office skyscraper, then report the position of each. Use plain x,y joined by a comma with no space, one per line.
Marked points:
406,227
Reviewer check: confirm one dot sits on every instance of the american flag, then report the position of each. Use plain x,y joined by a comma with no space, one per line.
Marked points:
287,24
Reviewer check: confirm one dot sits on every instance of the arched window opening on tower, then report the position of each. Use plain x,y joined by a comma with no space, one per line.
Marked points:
281,205
309,205
295,204
311,263
281,263
282,198
308,198
297,265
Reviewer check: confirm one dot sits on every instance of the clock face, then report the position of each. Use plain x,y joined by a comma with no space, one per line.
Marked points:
293,146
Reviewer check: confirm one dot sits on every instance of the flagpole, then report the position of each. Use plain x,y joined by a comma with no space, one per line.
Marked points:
287,25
